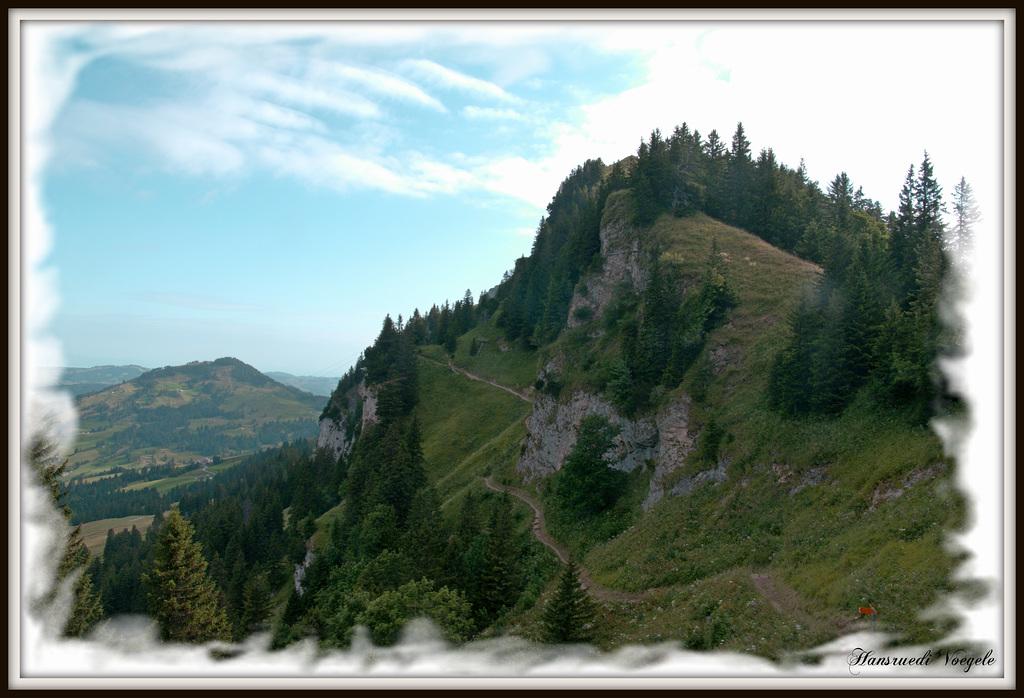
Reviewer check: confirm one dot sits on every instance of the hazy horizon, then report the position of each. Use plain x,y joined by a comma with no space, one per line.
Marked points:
272,191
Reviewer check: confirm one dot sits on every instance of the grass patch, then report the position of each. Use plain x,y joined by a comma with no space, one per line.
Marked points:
463,421
94,533
502,361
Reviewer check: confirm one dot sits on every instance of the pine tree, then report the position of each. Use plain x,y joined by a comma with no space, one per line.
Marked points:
716,158
586,484
901,232
86,606
928,206
767,196
182,597
569,616
255,603
740,174
497,580
967,214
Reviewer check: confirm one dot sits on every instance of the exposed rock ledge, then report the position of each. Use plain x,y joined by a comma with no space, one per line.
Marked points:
620,250
332,434
665,439
332,438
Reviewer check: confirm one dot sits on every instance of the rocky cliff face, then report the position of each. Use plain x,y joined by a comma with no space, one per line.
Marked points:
664,441
552,435
369,398
334,430
675,442
333,437
620,250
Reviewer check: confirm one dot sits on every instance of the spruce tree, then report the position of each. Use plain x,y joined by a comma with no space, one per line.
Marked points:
74,556
716,158
182,597
928,206
586,484
901,233
740,175
498,582
569,616
967,214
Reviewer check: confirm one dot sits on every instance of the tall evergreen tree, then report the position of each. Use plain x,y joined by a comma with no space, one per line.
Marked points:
586,483
740,174
182,597
928,206
967,214
902,232
498,584
714,170
767,198
569,615
74,556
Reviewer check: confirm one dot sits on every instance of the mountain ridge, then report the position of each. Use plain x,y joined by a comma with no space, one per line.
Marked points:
711,445
710,382
223,407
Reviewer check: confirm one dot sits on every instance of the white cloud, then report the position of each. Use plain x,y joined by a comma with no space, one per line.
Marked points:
377,81
490,113
438,177
532,181
309,95
446,77
852,118
282,117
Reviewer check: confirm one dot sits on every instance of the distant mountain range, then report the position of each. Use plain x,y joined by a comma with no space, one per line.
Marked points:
318,385
82,381
203,409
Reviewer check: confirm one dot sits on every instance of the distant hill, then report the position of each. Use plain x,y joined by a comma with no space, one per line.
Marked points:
318,385
82,381
181,414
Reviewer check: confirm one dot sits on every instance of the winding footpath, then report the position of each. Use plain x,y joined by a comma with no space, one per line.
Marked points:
540,533
783,599
473,376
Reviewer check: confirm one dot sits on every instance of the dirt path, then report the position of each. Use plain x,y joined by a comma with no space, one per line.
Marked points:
783,598
540,533
473,376
787,601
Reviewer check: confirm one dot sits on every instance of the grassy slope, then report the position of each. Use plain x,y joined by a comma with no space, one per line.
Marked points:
94,533
825,539
470,429
473,430
800,502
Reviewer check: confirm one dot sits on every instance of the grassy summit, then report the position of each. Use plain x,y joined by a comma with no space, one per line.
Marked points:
817,516
204,409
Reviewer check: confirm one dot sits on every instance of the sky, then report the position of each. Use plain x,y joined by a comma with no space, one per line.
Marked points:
271,190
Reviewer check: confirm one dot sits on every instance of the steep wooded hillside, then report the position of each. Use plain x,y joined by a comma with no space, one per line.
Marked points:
705,395
736,521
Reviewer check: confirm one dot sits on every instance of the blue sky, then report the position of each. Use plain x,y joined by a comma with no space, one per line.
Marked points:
270,191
